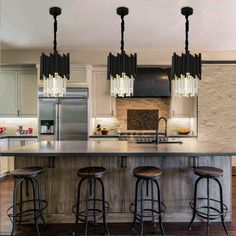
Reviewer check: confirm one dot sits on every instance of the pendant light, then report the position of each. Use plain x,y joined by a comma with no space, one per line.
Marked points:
122,68
55,68
186,69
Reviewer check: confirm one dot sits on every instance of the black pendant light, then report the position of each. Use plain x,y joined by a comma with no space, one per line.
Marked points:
186,69
122,68
55,68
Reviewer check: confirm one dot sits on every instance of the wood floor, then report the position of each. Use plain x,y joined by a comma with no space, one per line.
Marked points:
178,229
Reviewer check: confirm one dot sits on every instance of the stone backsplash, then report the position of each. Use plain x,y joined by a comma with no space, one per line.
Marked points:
124,104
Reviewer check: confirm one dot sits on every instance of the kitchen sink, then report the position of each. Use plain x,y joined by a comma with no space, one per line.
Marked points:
153,141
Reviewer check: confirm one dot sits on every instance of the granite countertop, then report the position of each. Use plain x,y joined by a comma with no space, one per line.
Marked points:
117,136
120,148
23,136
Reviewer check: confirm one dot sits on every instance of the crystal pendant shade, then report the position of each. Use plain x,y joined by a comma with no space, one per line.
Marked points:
186,72
122,70
54,70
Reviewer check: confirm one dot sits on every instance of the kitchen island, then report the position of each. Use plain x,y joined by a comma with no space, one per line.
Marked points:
62,159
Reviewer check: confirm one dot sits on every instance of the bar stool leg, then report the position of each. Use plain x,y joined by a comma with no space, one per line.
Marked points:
152,196
37,183
13,232
94,201
159,207
86,205
195,203
35,207
208,206
21,200
103,207
221,206
142,208
135,204
77,206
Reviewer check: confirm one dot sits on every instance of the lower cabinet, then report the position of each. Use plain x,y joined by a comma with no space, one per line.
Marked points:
4,161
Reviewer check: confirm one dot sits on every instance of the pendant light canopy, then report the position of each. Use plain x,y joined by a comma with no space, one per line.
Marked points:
55,68
186,69
122,68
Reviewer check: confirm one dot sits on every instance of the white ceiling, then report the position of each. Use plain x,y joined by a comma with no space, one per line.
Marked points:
93,24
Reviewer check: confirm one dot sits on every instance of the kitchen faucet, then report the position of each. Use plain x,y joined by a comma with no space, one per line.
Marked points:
157,128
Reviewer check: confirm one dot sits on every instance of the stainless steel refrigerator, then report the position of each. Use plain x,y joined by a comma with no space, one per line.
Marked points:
64,118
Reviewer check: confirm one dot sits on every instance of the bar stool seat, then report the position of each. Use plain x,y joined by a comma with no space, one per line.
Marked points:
146,172
208,171
27,172
146,206
94,172
33,206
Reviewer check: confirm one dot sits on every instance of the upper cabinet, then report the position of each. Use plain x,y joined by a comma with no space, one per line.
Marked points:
182,107
103,105
79,76
18,92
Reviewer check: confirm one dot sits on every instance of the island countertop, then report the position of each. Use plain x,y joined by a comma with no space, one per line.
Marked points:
114,148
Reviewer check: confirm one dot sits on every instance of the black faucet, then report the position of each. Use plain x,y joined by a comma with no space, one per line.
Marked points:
157,128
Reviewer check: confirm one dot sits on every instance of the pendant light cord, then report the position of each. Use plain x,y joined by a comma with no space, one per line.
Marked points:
122,33
55,34
186,34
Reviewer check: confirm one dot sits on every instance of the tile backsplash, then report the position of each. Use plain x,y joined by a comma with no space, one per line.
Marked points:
12,124
120,123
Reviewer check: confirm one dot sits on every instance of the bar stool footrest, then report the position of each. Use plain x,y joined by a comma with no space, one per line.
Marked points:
148,212
91,212
29,214
215,213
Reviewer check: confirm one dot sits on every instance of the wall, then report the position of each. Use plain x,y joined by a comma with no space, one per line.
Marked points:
217,104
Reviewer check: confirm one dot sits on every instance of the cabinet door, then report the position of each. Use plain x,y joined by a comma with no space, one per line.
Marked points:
78,76
8,93
103,103
182,106
27,81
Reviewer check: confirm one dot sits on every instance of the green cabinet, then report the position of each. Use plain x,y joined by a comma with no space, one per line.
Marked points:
18,92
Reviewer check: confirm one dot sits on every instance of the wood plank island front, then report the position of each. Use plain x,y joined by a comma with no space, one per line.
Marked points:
62,159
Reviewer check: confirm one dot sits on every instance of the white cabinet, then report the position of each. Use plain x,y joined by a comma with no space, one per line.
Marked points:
8,93
103,104
79,76
18,92
182,107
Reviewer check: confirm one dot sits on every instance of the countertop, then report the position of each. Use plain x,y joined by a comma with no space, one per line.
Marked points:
5,136
120,148
124,136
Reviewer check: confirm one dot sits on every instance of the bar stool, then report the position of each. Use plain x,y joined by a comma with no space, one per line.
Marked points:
206,210
154,206
22,210
95,208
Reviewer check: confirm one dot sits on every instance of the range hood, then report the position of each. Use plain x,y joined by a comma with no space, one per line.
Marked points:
152,82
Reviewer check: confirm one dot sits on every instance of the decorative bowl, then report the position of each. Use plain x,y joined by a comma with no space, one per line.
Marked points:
184,131
104,131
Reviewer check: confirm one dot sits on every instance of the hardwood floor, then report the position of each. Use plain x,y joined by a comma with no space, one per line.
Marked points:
178,229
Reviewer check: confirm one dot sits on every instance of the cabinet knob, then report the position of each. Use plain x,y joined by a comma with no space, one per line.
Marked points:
18,112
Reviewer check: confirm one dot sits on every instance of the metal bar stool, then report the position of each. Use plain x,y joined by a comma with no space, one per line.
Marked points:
95,208
30,209
154,206
206,210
